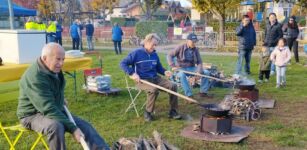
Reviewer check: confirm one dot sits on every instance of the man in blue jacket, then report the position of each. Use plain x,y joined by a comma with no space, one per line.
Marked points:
89,28
117,34
143,63
75,35
247,40
58,33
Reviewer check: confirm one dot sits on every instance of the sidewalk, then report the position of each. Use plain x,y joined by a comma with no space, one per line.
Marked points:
166,48
162,49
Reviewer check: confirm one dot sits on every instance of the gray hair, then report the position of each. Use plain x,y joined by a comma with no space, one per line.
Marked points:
30,19
149,37
48,48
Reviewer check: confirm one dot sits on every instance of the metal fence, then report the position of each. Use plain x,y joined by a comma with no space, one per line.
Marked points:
231,39
207,39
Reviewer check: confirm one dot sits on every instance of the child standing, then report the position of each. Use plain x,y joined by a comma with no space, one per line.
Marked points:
280,57
264,64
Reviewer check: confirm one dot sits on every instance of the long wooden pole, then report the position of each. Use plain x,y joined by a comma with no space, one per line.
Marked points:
170,91
82,141
202,75
11,13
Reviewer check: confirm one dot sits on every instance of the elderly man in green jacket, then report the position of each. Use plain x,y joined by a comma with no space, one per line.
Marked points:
41,102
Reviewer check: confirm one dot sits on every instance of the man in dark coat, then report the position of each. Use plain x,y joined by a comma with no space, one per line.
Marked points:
273,32
247,40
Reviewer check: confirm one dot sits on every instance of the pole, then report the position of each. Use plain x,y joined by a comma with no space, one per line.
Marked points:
82,141
202,75
169,91
11,12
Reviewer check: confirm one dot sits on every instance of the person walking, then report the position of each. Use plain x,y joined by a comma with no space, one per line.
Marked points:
247,40
291,33
273,32
81,27
117,34
75,35
281,57
58,33
89,27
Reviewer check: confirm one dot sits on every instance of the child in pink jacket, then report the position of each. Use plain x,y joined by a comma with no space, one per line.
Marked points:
280,57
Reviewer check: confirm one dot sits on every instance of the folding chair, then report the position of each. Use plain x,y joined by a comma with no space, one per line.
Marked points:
20,129
133,98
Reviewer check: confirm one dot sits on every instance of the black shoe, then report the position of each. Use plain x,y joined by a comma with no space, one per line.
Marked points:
147,116
174,115
205,95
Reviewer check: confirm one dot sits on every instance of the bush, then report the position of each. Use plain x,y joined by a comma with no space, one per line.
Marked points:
229,26
145,27
124,22
302,23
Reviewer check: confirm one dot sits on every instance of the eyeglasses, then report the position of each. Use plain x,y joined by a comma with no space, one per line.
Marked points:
291,20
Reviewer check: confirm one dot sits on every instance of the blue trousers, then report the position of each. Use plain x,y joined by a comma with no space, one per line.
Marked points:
118,47
244,54
75,43
204,84
90,42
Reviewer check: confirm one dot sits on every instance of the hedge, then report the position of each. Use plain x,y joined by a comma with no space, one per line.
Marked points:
229,26
302,23
145,27
124,21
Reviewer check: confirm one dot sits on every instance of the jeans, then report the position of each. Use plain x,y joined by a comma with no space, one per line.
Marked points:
75,43
204,84
58,40
50,38
55,130
244,54
280,75
272,64
118,47
90,42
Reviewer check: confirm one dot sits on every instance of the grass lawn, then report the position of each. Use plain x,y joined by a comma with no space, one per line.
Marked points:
284,127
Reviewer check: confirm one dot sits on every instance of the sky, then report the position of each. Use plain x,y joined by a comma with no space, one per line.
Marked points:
185,3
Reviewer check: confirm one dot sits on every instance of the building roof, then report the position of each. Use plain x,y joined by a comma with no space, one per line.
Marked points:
130,6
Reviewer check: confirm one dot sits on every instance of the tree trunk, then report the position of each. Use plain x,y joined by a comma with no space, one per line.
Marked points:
148,10
221,18
221,31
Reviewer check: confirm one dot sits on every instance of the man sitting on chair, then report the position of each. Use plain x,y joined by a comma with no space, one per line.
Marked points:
143,63
187,56
41,102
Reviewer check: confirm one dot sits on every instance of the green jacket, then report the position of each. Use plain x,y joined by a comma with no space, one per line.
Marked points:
42,91
265,62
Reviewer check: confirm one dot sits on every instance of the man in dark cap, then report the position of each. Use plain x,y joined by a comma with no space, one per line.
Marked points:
188,59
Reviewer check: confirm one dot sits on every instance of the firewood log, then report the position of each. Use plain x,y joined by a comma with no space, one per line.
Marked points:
159,141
